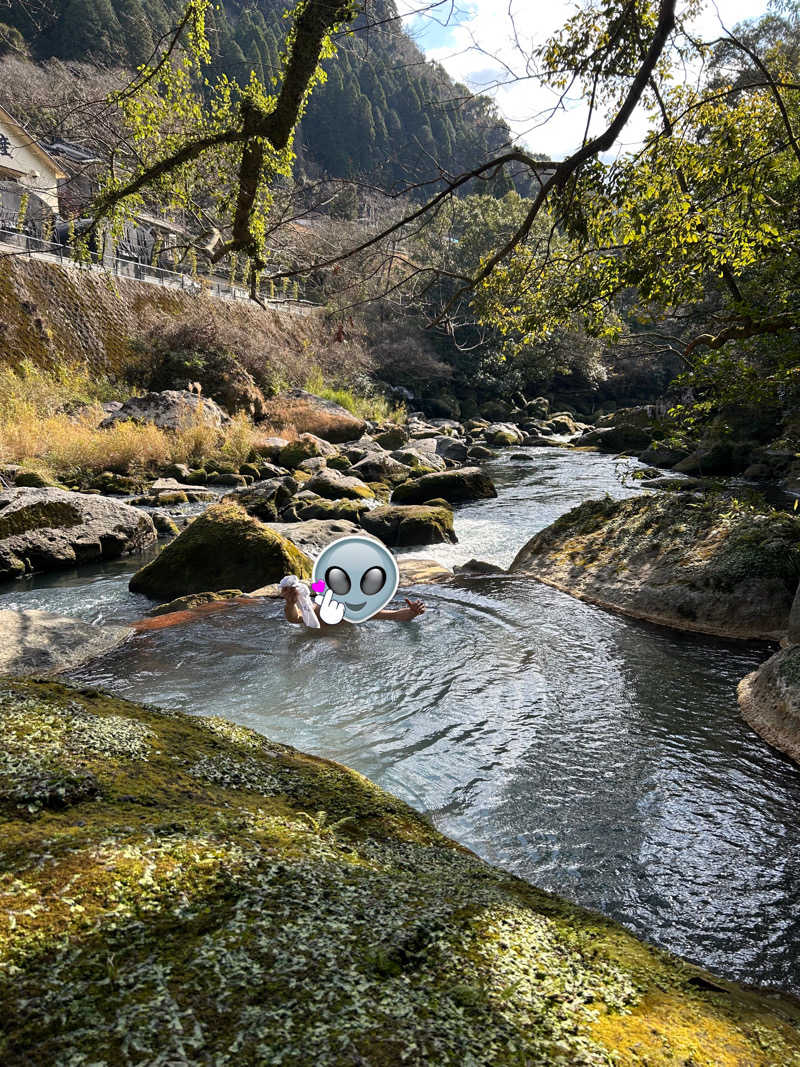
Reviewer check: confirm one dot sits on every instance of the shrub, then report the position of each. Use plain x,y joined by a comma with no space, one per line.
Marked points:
171,356
367,403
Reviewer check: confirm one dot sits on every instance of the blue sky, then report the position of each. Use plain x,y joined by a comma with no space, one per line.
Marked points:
465,35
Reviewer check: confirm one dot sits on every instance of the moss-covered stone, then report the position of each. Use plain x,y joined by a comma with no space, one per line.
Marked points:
194,600
307,446
32,479
468,483
225,548
180,889
709,564
410,524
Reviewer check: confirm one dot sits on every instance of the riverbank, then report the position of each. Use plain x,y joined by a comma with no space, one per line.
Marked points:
255,900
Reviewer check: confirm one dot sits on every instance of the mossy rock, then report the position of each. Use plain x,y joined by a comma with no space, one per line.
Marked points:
438,502
184,603
334,485
307,446
320,508
410,524
171,498
708,564
179,889
31,479
225,548
339,463
468,483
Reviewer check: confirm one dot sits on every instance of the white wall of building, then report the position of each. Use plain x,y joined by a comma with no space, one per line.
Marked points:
22,160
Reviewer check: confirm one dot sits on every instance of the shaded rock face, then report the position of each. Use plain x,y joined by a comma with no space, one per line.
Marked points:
394,437
170,410
451,448
46,529
38,642
691,563
225,548
335,485
615,438
398,524
313,414
769,699
468,483
361,936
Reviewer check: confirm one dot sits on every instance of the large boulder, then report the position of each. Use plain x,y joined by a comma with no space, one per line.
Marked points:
191,892
503,434
615,439
769,699
225,548
393,437
699,564
307,446
453,449
468,483
36,642
419,459
381,467
313,535
410,524
335,485
308,413
718,457
171,409
264,499
47,529
310,506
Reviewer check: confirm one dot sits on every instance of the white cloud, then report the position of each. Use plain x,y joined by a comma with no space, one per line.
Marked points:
483,43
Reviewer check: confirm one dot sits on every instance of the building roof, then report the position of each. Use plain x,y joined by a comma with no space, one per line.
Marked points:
31,144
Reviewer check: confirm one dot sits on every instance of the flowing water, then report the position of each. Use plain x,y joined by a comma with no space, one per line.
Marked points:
598,757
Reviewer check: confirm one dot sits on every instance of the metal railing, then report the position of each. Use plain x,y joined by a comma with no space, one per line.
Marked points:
134,270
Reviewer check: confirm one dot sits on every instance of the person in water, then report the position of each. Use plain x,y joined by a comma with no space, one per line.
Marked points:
298,607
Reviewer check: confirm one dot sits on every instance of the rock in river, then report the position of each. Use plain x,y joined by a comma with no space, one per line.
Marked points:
694,564
468,483
46,529
225,548
36,642
769,699
335,486
186,888
410,524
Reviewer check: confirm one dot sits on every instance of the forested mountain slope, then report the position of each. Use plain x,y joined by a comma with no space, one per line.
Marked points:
385,111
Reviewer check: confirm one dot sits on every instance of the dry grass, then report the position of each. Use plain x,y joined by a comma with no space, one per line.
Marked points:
37,430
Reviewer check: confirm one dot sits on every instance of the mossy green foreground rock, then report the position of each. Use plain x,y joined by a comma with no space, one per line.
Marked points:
225,548
707,564
182,890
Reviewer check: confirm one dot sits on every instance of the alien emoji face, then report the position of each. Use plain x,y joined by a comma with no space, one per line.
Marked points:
360,574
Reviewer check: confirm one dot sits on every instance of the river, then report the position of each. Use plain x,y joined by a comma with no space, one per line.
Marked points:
598,757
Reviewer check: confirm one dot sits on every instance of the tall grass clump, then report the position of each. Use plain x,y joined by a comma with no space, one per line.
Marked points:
366,403
49,420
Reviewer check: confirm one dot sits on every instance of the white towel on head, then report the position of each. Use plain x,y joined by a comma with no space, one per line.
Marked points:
291,581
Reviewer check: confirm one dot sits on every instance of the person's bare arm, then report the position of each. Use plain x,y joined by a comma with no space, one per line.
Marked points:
414,608
291,607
